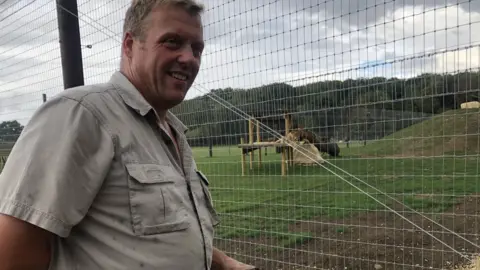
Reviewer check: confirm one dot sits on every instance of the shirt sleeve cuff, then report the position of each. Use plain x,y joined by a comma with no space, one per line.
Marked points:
33,216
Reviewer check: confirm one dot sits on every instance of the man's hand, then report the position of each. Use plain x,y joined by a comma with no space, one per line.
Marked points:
221,261
232,264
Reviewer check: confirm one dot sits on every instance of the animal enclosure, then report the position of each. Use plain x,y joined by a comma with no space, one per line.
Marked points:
386,91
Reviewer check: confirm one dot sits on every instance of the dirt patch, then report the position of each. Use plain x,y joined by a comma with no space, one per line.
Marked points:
375,240
475,265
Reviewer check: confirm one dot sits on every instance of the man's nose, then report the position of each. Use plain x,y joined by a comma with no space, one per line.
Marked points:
187,56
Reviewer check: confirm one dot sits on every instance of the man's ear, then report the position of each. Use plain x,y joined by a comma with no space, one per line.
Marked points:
127,45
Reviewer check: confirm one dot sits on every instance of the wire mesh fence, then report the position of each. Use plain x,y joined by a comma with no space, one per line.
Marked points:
30,64
377,100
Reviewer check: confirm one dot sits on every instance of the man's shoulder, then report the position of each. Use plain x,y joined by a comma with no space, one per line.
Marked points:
99,102
87,93
99,98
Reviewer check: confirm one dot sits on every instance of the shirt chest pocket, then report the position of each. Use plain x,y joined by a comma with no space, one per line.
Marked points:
156,205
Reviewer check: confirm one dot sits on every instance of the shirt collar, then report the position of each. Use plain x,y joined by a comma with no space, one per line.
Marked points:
132,97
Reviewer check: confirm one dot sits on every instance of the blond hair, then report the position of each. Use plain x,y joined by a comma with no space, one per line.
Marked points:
139,10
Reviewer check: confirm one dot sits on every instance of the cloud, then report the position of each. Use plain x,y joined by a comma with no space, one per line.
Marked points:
29,57
248,43
30,60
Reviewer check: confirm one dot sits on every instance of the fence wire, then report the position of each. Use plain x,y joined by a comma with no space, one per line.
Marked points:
381,94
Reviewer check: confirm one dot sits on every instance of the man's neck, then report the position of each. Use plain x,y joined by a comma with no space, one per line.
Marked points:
162,121
161,116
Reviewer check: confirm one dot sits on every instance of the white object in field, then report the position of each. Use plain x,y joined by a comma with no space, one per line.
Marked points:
307,154
470,105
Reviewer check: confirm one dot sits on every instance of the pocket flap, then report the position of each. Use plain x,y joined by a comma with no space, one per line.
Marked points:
203,177
150,173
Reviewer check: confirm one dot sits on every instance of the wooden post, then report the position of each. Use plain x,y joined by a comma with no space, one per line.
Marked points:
290,124
2,162
288,149
259,149
250,141
243,157
284,165
287,124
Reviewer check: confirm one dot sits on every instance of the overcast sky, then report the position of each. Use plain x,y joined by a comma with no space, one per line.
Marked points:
248,43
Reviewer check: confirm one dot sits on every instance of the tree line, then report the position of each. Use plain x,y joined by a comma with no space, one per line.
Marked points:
352,109
9,131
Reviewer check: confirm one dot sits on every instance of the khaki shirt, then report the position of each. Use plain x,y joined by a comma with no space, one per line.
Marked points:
93,167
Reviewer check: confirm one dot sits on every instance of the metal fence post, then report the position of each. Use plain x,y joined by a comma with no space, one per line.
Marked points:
70,44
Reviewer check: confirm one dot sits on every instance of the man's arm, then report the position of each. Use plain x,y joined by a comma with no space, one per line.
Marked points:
220,261
23,246
50,179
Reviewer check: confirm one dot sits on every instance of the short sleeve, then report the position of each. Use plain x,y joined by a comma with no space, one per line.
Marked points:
56,167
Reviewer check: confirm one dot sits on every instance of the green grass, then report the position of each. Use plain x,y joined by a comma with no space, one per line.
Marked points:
3,158
451,133
265,203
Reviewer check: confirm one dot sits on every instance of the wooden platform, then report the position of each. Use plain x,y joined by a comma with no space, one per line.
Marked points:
287,151
257,145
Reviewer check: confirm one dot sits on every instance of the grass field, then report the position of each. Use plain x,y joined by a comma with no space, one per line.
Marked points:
264,200
430,167
3,157
265,205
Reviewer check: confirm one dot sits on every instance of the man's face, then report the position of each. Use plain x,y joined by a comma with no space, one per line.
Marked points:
166,63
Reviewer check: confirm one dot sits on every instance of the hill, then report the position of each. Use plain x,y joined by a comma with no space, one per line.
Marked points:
354,109
6,145
455,132
5,148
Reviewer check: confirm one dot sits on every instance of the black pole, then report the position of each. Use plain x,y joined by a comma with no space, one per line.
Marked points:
210,143
70,45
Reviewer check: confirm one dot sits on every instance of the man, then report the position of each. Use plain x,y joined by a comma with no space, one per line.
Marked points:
102,177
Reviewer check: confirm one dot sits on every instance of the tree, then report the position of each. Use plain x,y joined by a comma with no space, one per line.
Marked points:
10,130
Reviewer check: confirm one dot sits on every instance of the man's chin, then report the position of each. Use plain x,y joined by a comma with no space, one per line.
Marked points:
175,100
172,96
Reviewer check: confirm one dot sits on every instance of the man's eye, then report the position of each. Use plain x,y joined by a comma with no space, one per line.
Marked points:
171,42
197,52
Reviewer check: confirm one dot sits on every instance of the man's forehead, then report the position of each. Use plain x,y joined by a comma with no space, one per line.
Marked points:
162,23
